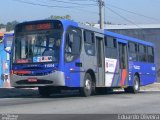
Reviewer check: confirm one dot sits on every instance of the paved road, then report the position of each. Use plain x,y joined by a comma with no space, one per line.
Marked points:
112,103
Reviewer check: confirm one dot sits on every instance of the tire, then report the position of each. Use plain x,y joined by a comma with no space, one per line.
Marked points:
45,91
89,86
136,86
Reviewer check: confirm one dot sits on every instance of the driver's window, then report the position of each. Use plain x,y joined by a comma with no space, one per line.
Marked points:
72,44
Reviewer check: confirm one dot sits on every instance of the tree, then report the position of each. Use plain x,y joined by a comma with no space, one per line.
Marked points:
2,26
60,17
10,25
110,23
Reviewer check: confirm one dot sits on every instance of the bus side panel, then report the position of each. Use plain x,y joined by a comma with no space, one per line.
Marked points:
146,71
112,78
72,74
88,63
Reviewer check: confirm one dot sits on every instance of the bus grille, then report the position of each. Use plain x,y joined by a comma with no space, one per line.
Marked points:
37,82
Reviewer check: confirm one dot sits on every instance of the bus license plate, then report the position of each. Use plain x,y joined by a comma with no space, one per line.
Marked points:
32,80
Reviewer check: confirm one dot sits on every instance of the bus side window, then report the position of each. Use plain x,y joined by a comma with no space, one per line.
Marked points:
150,54
69,40
72,44
110,47
89,43
133,48
142,53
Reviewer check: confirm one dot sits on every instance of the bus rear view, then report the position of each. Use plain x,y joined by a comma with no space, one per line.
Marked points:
36,54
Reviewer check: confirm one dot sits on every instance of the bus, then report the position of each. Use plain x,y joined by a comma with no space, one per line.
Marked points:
7,40
61,54
5,59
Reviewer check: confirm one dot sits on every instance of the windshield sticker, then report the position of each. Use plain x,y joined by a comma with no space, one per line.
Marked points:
43,59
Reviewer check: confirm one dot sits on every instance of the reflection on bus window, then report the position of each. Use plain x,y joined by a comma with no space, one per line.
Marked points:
36,47
73,44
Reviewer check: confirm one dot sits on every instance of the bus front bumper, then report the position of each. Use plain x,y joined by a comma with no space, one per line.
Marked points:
54,79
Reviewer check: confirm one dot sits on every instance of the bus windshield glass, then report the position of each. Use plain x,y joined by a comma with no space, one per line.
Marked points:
37,47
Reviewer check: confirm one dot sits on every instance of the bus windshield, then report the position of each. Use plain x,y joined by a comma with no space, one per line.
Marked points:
37,47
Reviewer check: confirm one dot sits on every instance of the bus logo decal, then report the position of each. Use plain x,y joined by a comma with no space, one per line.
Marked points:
137,67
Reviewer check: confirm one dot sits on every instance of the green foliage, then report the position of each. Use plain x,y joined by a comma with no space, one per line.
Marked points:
2,26
9,26
60,17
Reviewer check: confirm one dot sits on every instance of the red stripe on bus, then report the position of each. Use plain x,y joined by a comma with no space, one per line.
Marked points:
124,75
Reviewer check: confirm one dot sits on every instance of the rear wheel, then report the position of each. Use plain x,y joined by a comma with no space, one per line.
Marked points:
136,86
88,87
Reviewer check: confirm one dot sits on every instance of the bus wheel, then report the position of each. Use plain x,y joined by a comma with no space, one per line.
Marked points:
136,86
87,89
45,91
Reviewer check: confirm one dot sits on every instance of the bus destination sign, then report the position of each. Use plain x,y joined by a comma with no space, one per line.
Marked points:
42,26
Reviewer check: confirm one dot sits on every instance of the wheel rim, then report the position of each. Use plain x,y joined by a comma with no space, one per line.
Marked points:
88,85
136,86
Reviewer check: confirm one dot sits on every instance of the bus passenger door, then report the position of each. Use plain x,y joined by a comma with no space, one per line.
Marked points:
100,60
123,63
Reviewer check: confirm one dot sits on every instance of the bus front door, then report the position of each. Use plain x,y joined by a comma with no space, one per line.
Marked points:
123,63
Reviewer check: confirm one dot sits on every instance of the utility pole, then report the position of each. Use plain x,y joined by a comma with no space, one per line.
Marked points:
101,13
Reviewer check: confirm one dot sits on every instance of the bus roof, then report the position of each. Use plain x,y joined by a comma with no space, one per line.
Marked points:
123,37
106,32
116,35
67,23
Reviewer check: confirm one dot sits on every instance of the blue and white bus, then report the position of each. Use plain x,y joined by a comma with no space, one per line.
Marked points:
62,54
5,58
7,40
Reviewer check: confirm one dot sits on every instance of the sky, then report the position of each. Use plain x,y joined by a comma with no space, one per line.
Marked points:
139,11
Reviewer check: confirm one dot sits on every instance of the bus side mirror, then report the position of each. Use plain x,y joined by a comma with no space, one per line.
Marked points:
8,50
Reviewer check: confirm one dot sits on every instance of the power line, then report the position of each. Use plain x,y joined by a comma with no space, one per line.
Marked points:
72,2
51,6
134,13
84,0
43,5
123,17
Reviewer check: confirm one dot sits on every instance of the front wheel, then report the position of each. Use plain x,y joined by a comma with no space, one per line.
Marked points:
136,86
88,87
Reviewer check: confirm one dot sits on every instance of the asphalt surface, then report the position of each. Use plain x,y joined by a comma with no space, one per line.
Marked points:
29,102
20,101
